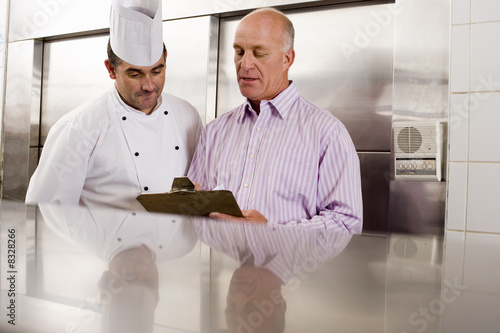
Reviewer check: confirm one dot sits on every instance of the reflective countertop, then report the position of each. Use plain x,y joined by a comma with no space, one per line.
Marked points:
69,269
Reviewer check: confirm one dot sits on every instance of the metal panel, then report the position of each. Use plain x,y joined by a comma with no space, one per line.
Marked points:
375,178
421,71
73,72
421,60
417,207
346,293
413,275
33,160
172,9
13,224
189,42
44,18
343,64
22,104
63,89
213,57
35,19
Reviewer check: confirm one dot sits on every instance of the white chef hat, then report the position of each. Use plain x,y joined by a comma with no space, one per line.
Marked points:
136,34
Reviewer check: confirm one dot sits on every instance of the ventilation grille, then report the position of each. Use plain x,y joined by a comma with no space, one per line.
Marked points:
422,139
414,248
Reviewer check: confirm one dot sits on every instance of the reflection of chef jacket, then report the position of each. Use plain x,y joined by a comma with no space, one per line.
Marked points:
105,152
283,251
106,232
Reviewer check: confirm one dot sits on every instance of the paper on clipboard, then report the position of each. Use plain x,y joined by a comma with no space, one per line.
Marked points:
183,199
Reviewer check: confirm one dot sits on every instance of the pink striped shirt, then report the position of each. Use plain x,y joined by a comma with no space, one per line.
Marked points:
285,252
294,162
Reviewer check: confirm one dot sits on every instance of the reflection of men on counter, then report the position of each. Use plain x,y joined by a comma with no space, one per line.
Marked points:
131,140
269,258
131,244
286,160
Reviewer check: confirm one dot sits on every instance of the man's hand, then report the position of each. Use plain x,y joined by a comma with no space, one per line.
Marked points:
252,216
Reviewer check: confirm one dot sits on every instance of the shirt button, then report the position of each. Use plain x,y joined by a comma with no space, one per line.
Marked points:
252,156
245,185
136,154
258,129
124,118
165,113
146,188
176,147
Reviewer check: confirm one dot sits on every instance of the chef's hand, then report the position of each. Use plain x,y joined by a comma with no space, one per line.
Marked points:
252,216
197,187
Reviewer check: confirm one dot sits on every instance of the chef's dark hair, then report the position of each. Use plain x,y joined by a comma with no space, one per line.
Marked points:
115,60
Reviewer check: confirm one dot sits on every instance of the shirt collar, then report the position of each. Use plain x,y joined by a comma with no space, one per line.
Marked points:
281,103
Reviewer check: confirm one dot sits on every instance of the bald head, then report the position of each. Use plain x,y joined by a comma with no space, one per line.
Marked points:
263,53
281,20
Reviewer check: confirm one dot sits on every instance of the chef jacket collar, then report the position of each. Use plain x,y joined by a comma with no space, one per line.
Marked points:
132,110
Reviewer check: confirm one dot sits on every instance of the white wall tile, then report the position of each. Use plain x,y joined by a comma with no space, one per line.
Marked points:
2,48
459,76
485,54
460,11
485,10
481,299
453,264
483,213
484,136
3,12
485,247
480,312
458,127
457,196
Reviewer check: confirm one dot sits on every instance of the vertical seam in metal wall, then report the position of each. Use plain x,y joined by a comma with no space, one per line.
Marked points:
206,297
3,92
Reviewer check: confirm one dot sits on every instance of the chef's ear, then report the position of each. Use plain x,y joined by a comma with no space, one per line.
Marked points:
110,68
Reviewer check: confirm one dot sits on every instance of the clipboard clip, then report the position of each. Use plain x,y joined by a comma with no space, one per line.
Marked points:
182,185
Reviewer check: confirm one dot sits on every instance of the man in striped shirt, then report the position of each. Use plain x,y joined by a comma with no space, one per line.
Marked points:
287,161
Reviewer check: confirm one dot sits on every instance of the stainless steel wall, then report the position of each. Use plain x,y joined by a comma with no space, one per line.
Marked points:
360,59
80,60
21,114
421,72
44,18
368,62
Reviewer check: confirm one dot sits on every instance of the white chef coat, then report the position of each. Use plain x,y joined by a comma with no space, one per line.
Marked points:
106,232
106,152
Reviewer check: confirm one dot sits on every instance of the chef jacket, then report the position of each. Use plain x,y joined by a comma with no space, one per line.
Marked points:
106,232
107,153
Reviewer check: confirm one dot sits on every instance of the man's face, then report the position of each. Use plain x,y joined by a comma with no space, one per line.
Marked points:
261,65
139,86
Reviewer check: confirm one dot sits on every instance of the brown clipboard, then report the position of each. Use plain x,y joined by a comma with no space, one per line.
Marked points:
183,199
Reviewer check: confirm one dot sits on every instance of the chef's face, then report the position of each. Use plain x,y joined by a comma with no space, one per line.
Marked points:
261,64
139,86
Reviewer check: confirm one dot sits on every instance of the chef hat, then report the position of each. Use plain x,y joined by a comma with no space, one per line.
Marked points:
136,34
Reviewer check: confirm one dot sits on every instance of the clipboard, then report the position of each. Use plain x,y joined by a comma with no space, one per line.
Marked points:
183,199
